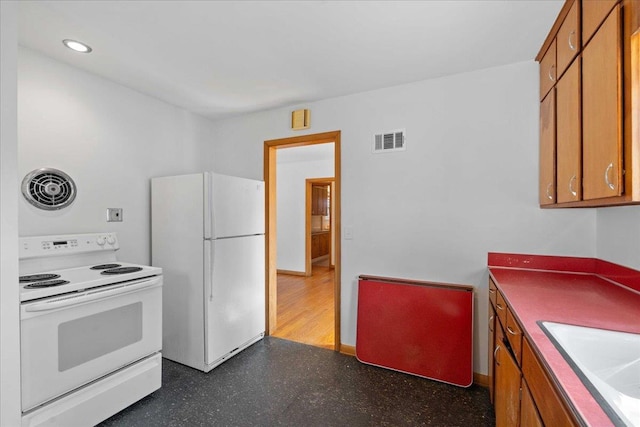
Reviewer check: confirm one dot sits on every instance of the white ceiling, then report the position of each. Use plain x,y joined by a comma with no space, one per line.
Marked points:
225,58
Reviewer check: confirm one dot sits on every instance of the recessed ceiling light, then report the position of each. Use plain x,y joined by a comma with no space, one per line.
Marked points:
77,46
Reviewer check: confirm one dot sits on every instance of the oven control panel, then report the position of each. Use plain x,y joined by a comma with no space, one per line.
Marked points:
70,244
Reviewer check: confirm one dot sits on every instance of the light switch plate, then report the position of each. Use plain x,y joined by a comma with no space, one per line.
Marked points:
348,232
114,214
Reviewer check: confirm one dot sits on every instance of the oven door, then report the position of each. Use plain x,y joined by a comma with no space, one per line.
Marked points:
71,340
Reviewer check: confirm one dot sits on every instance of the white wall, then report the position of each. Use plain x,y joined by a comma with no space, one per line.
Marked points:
618,235
466,185
9,306
111,140
291,210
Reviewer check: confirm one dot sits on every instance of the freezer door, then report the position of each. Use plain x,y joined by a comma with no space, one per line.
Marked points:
235,206
235,298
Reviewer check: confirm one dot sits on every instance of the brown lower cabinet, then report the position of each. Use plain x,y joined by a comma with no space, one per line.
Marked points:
492,342
507,384
553,412
529,416
522,390
320,244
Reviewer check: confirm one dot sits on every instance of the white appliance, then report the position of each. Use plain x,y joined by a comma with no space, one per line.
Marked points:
208,237
90,329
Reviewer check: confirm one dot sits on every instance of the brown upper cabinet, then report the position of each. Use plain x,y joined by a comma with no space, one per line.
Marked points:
320,200
568,38
548,149
594,13
590,106
548,70
602,111
568,136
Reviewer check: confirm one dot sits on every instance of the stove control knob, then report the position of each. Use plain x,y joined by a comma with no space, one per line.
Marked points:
100,240
111,240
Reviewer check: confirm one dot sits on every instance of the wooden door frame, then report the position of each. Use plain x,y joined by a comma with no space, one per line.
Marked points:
271,269
309,183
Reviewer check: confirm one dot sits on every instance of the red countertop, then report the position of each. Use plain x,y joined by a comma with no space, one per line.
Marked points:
578,291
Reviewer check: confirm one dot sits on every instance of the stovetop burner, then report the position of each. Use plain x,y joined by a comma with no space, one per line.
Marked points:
48,283
38,277
105,266
121,270
68,264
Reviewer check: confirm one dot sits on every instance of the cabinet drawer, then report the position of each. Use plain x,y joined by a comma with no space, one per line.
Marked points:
492,292
514,335
501,308
551,407
568,39
548,71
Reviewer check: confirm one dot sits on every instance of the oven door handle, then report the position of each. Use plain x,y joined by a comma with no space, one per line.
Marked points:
93,295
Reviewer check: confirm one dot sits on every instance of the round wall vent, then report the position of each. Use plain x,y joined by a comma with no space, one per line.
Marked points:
49,189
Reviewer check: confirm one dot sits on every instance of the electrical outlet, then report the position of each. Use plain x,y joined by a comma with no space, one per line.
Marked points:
114,214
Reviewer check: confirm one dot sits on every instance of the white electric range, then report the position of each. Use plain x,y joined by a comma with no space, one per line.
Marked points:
91,329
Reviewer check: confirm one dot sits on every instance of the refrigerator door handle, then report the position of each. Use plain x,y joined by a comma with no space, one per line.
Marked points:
212,269
209,256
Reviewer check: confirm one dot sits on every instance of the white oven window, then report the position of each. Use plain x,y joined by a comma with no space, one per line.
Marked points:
87,338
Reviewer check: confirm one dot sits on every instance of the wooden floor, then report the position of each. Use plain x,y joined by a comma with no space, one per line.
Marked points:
306,308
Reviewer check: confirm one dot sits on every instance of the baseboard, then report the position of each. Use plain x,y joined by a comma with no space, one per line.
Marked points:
292,273
481,380
349,350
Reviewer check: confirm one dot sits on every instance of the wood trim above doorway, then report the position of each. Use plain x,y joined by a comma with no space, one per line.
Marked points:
270,148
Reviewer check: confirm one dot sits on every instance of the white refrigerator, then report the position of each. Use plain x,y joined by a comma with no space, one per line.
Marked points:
207,233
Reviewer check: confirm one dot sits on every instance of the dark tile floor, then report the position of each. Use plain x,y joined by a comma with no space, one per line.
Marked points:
282,383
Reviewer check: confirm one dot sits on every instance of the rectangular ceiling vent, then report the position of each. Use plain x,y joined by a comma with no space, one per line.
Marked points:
389,141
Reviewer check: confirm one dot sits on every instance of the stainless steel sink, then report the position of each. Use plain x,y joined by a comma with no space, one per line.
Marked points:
607,362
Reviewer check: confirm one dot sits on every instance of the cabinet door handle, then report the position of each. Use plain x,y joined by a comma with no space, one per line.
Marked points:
491,323
499,307
492,291
511,331
552,73
549,196
571,190
606,177
495,355
571,45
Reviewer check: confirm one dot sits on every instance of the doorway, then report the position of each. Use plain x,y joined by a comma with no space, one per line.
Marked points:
319,228
270,152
